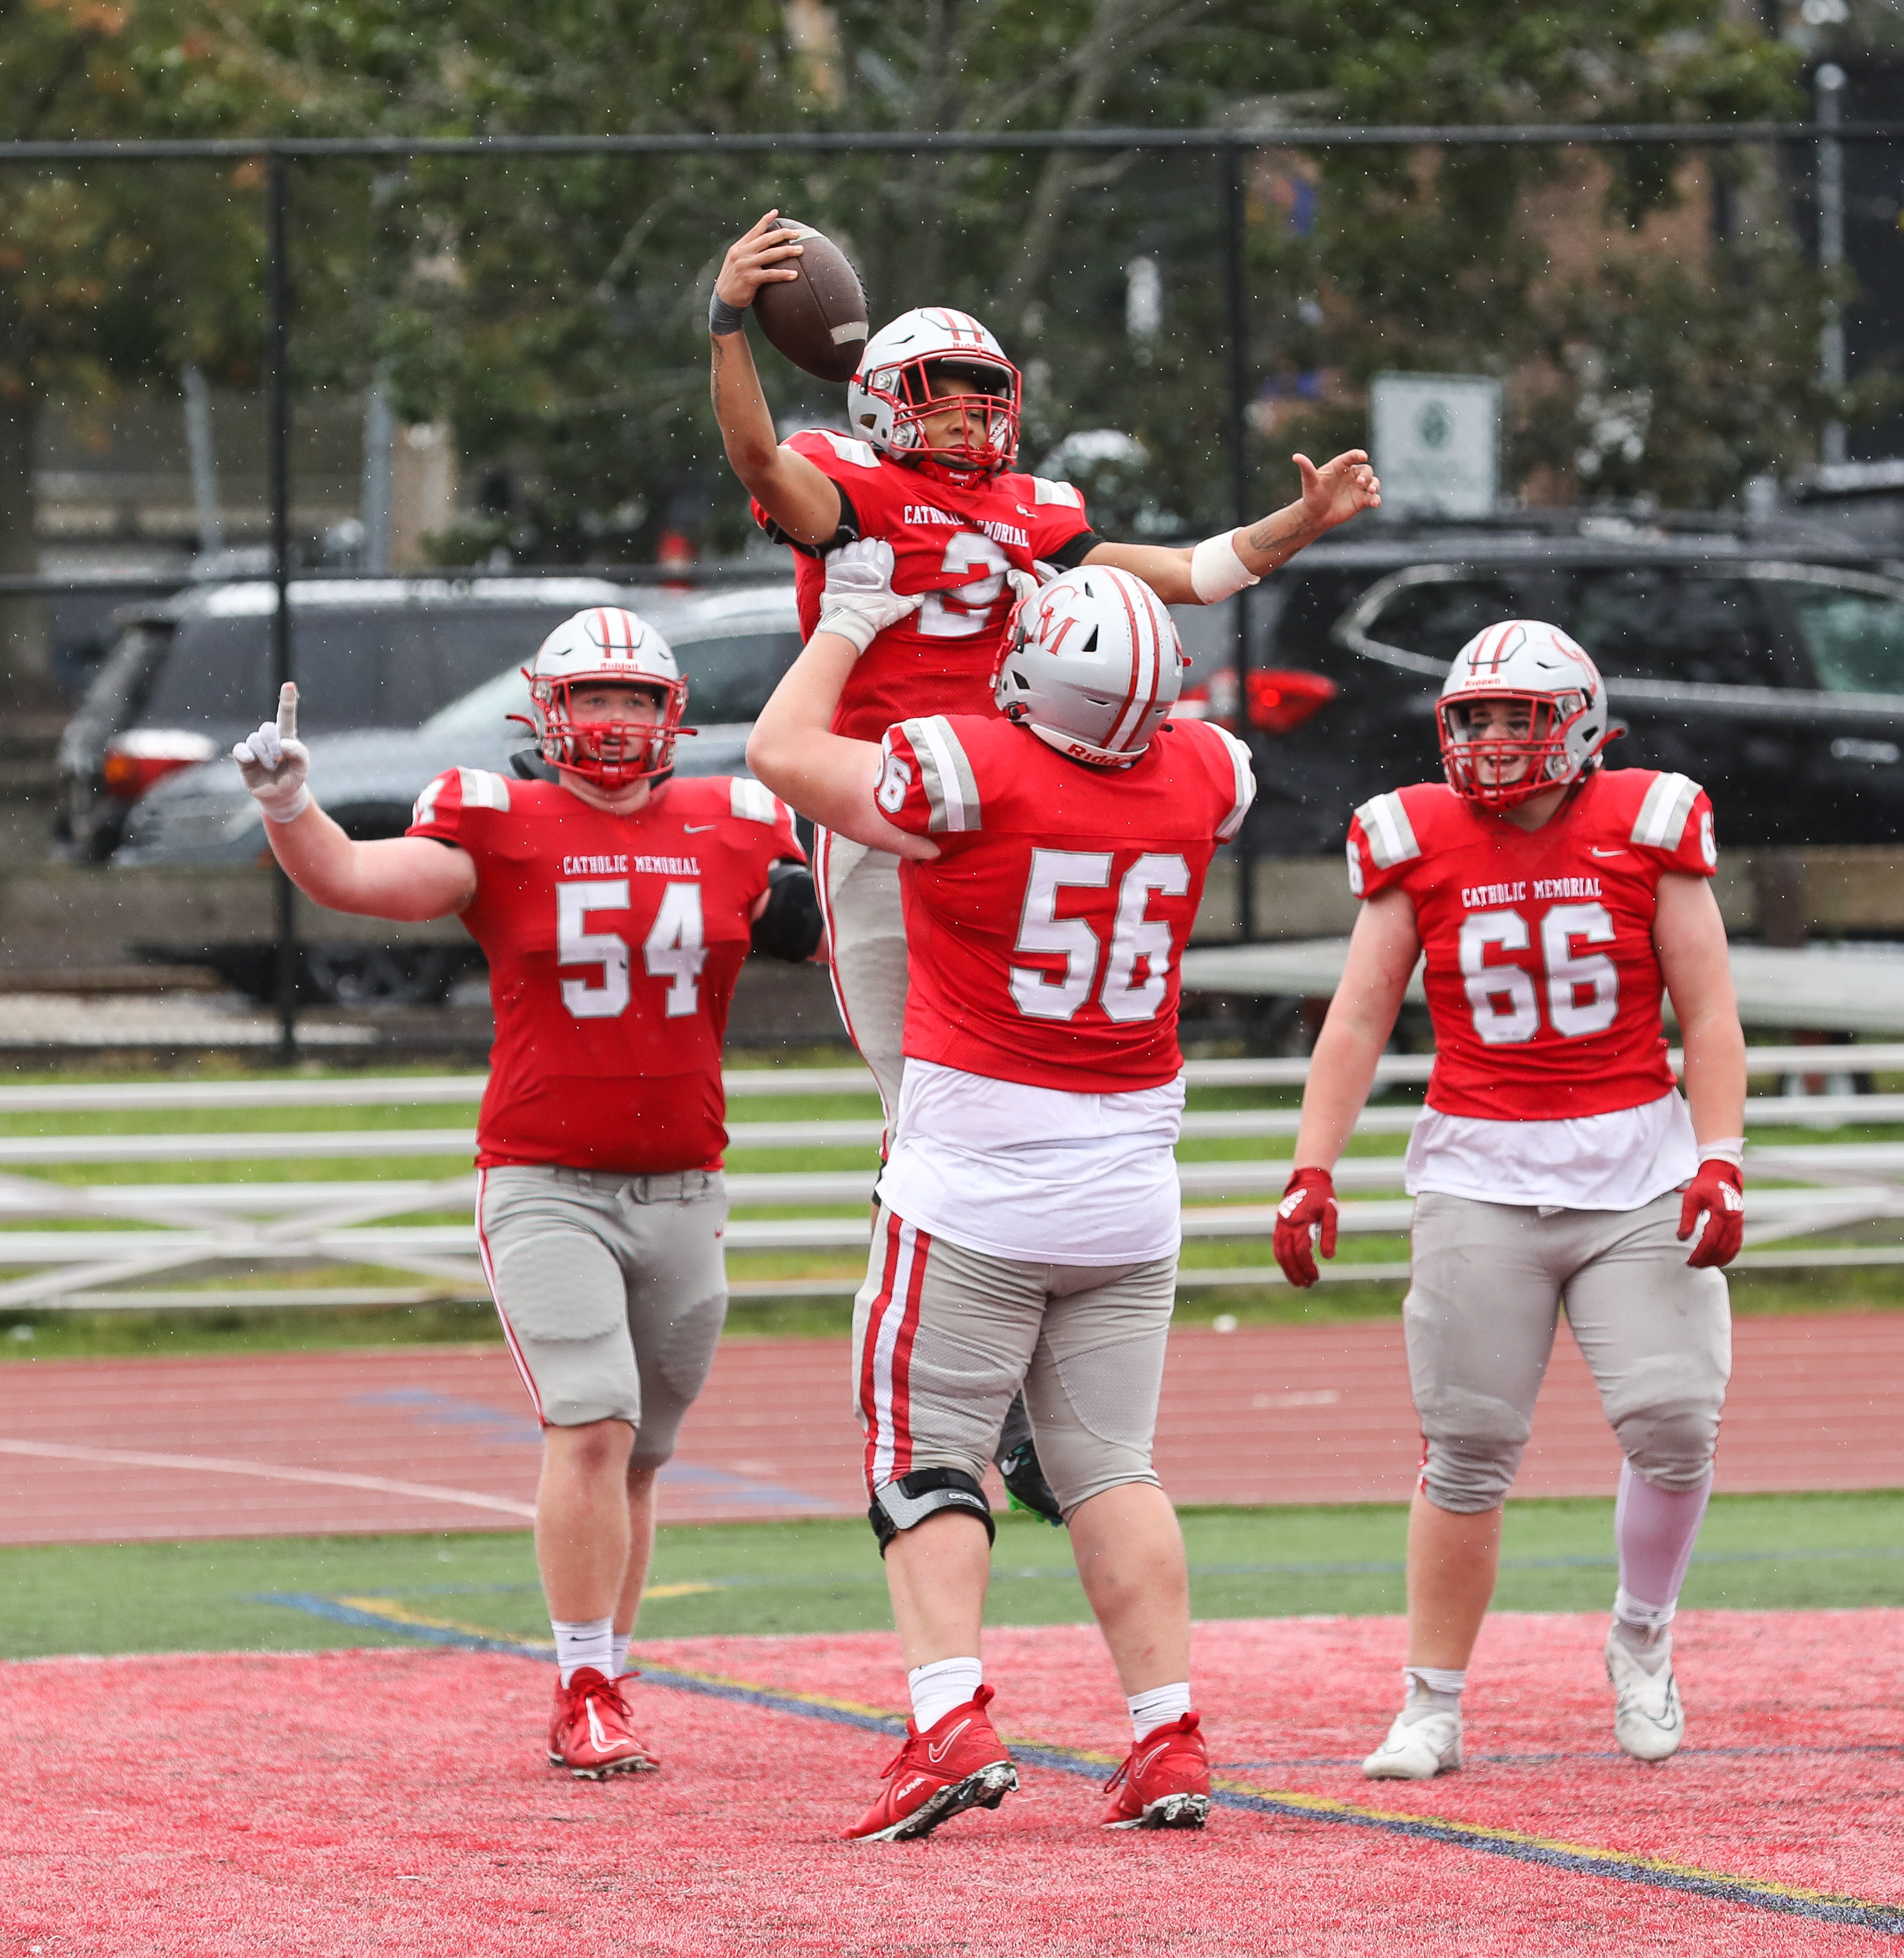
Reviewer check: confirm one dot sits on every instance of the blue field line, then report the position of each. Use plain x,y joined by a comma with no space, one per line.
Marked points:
1888,1919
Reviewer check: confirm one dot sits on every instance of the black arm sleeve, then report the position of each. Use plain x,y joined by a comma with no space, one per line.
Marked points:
848,532
1074,550
790,927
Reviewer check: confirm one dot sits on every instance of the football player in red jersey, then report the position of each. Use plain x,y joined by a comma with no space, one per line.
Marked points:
930,467
1554,901
615,905
1027,1217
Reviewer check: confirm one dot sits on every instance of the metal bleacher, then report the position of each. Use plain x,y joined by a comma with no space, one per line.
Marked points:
81,1227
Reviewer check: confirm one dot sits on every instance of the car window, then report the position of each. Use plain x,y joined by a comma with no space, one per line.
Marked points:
729,677
485,713
1856,638
1658,622
385,669
1437,618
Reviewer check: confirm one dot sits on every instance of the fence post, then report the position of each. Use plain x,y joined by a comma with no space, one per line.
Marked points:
1829,94
1237,429
278,387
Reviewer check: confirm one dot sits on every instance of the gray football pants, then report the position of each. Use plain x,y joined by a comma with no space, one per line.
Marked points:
1486,1281
865,929
612,1290
945,1338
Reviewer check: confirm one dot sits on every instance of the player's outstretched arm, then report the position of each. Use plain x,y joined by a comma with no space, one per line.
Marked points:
1382,956
799,497
400,877
1689,936
1223,565
824,775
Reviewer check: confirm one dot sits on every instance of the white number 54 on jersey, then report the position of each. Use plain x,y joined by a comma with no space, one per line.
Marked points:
675,948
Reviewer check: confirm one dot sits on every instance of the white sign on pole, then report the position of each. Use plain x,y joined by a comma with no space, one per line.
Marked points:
1435,441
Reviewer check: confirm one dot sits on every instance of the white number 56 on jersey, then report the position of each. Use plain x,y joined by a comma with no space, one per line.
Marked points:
674,949
1133,936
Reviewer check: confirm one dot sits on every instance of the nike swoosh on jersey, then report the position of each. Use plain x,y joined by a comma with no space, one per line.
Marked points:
937,1754
1597,851
696,828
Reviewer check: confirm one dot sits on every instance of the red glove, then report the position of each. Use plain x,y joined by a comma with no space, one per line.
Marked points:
1307,1209
1718,1191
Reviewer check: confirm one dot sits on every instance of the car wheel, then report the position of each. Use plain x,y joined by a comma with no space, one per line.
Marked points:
381,975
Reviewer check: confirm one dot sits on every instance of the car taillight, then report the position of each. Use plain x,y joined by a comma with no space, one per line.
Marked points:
1212,699
1281,699
141,756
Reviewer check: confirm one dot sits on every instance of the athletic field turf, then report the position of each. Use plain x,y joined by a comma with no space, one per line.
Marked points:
246,1791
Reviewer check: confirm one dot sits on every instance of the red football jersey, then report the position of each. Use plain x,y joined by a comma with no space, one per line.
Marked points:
1541,977
1043,941
955,544
613,944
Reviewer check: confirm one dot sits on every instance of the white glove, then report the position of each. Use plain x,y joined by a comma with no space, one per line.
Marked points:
274,762
1024,585
860,603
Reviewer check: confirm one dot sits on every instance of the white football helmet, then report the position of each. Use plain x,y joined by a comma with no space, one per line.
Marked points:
1092,665
897,387
1522,662
605,643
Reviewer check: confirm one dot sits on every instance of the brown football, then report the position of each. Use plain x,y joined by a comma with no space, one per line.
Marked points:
819,320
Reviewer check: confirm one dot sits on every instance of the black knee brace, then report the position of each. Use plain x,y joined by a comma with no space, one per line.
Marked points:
906,1503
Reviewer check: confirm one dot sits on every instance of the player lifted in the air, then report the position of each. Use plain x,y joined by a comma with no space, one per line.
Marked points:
1554,900
931,466
1029,1215
615,905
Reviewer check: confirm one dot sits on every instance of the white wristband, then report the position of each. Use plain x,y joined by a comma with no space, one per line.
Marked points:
296,807
1731,1150
1217,572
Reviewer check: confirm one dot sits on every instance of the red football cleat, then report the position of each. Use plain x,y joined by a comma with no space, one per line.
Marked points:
959,1762
589,1733
1164,1783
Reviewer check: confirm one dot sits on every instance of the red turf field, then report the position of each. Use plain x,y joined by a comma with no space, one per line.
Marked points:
424,1438
395,1801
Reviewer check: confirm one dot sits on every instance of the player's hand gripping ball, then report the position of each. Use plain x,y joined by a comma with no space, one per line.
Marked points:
1717,1195
1305,1224
859,602
818,317
274,762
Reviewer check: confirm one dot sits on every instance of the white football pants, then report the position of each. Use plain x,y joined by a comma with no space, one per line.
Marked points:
865,931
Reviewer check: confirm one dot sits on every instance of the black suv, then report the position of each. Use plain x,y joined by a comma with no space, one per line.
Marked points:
1767,665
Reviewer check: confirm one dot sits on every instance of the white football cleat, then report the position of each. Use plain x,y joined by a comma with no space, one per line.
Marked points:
1648,1720
1417,1749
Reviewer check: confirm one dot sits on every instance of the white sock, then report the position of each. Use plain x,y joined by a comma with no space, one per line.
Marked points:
618,1645
587,1642
937,1689
1431,1689
1158,1708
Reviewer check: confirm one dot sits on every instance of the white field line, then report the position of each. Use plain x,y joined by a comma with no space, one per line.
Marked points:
209,1464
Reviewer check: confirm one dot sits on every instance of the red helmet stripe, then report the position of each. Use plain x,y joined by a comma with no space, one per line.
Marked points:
1144,649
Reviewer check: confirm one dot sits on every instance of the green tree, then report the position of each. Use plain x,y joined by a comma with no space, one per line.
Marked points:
114,273
554,310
